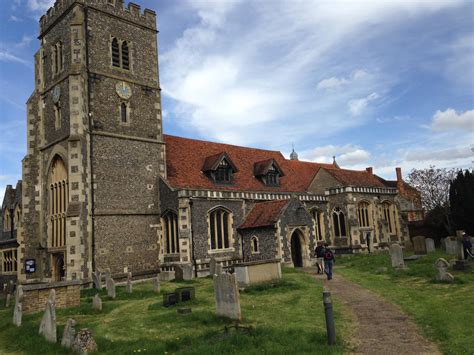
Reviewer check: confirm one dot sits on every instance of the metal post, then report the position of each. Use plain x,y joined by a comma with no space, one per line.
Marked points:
329,317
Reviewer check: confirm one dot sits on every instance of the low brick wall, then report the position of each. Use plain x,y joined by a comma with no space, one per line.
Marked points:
68,294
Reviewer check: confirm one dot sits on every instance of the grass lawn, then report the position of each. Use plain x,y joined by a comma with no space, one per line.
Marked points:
443,311
288,318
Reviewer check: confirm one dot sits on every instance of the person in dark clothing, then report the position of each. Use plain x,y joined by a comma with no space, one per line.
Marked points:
329,260
467,245
319,253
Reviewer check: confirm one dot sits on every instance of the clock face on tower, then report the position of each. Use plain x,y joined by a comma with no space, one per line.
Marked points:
124,91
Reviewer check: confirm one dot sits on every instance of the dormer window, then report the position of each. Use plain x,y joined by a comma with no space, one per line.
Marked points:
268,172
219,168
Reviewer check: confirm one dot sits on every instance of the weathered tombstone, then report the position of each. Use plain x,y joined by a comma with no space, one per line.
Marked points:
169,299
419,245
212,266
18,311
227,296
129,283
107,277
443,244
443,275
430,245
97,302
396,254
451,246
84,343
48,322
69,333
156,284
8,300
184,294
408,245
219,270
188,272
178,273
111,288
9,291
97,279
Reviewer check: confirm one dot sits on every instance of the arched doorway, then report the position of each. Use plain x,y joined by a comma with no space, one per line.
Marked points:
58,267
296,250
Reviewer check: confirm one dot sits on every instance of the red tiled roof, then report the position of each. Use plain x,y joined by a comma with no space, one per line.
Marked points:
264,214
355,178
185,160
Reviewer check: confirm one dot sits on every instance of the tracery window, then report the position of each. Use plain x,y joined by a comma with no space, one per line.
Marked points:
318,218
120,54
170,231
389,215
220,229
58,202
254,245
363,214
339,222
9,260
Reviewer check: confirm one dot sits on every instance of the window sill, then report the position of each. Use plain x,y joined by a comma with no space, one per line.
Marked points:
216,251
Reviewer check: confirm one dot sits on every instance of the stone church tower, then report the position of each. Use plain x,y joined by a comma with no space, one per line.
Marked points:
95,146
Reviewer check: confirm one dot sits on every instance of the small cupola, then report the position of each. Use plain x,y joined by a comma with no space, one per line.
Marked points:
220,168
268,171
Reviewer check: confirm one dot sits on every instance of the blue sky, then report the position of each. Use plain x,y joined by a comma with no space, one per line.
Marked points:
375,83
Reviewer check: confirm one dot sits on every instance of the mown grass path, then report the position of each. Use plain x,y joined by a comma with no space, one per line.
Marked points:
382,328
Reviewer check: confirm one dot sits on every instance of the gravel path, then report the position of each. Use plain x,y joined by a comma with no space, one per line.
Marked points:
382,328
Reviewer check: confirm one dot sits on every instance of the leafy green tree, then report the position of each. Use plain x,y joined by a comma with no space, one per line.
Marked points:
461,200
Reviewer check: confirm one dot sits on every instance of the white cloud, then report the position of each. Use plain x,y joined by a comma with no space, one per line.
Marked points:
393,119
25,41
39,5
450,119
14,18
358,106
347,156
335,83
8,57
439,154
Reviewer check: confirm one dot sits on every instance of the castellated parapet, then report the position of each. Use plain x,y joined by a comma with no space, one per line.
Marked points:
117,8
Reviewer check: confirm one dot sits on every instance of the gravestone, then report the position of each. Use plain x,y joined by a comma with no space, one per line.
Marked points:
18,311
84,343
48,322
219,270
184,310
227,296
396,254
408,245
69,333
169,299
111,288
443,244
97,279
107,277
443,275
419,245
430,245
212,266
178,273
9,291
8,300
188,272
451,246
184,294
97,302
129,287
155,283
166,275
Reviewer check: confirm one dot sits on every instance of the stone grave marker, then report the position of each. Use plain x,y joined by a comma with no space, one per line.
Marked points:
219,270
443,243
451,246
107,277
169,299
184,310
18,311
419,245
97,302
212,266
48,322
166,275
430,245
396,254
69,333
97,279
178,273
155,283
184,294
442,266
188,273
111,288
84,343
408,245
129,287
227,296
8,300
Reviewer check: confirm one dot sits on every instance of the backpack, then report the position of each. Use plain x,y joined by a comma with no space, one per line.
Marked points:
328,255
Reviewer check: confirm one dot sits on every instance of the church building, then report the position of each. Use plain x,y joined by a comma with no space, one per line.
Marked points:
103,187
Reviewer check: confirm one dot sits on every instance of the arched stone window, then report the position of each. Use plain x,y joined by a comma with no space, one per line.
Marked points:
339,222
363,214
254,245
318,220
115,53
389,215
123,113
125,58
57,115
58,202
220,229
57,58
170,232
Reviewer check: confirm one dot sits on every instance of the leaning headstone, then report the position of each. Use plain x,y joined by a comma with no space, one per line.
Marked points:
110,288
430,245
84,343
219,270
178,273
97,302
396,254
188,272
442,266
129,283
156,284
97,279
212,266
419,245
8,300
451,246
69,333
18,311
48,322
227,296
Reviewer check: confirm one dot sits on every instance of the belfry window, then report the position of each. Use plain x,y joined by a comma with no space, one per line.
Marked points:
125,61
170,232
363,214
220,229
115,53
120,54
339,222
57,58
58,202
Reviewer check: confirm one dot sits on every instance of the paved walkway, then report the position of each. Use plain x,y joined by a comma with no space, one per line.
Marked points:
382,328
